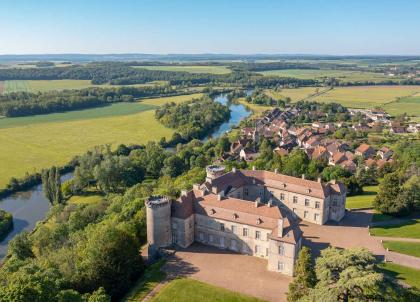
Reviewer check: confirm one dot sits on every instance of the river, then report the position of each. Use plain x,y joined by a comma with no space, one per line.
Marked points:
31,206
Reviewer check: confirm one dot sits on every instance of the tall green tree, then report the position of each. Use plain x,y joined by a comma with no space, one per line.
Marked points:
51,185
305,278
389,190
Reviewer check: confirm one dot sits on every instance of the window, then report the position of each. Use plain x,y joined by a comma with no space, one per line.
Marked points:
257,234
266,252
257,249
201,236
305,214
174,225
211,238
238,194
317,205
281,196
295,199
281,249
261,192
316,217
245,232
234,229
306,202
222,227
280,266
246,192
268,236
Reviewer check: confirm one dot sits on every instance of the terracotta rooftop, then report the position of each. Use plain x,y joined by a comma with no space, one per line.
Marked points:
363,148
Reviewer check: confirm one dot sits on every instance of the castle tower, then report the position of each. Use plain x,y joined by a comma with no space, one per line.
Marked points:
158,218
213,172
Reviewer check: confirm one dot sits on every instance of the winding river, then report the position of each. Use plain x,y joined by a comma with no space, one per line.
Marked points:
31,206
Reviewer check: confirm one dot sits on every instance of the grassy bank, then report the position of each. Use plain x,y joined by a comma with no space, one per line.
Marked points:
407,229
407,275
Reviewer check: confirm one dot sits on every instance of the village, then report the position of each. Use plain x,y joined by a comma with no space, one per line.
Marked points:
317,138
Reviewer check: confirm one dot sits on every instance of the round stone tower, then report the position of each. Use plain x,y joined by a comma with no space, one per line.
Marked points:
158,216
213,172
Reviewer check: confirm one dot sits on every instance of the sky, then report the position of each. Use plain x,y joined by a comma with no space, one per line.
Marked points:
340,27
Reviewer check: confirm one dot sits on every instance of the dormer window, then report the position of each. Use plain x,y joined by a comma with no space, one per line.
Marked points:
235,216
308,191
284,185
212,211
259,221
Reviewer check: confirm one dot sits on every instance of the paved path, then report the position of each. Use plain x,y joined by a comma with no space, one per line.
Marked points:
352,231
238,273
398,239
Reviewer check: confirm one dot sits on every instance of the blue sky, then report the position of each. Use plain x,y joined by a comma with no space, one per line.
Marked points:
212,26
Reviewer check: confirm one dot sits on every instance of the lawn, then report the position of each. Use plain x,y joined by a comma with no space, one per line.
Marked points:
48,85
257,110
362,201
408,275
343,75
408,229
31,147
408,248
188,290
151,278
190,68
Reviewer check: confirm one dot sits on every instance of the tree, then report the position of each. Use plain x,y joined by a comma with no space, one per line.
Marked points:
51,185
69,295
173,166
347,275
296,163
386,200
99,296
21,246
305,276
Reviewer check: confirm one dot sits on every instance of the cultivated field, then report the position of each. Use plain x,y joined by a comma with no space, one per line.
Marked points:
191,68
409,105
48,85
294,94
344,75
29,147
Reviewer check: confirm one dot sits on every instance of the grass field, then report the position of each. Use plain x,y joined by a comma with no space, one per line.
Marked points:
191,68
48,85
188,290
151,278
408,248
33,146
85,199
296,94
407,275
409,229
116,109
343,75
362,201
409,105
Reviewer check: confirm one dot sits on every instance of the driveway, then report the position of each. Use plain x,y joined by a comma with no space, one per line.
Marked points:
352,231
239,273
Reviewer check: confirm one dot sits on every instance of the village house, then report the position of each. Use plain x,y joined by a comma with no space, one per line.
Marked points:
365,151
248,211
384,153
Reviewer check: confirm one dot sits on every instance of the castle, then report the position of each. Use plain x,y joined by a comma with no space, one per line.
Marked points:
248,211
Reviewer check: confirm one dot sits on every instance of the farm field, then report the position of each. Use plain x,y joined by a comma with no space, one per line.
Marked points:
190,68
31,147
48,85
188,290
344,75
409,105
362,201
296,94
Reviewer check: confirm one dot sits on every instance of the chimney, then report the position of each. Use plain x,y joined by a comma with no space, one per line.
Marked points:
276,171
196,186
233,170
319,179
256,203
303,176
269,203
280,227
253,168
219,197
184,193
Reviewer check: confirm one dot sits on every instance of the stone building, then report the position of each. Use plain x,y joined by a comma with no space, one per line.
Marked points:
247,211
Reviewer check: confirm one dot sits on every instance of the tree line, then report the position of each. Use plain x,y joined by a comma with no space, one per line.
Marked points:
27,103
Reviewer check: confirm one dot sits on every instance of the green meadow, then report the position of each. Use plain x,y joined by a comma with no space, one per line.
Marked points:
29,144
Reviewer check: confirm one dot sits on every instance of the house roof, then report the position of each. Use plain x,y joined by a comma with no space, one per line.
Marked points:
364,148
